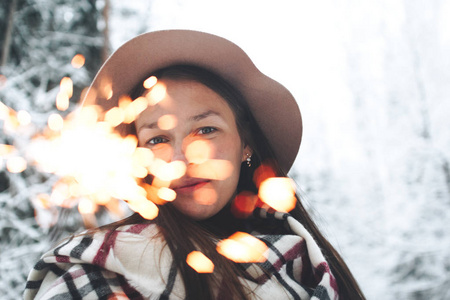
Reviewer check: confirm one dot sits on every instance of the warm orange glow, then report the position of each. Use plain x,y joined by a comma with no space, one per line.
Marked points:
55,122
105,88
205,196
86,206
66,86
134,109
78,61
214,169
6,149
244,204
150,82
16,164
143,157
62,101
114,116
198,152
43,201
168,171
278,193
199,262
242,247
156,94
262,173
147,209
167,122
166,194
23,117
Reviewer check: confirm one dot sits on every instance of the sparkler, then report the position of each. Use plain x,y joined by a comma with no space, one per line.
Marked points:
97,166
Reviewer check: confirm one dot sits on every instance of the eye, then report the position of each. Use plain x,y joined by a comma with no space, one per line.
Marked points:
157,140
206,130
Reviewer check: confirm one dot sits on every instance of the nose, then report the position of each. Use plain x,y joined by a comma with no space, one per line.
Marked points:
179,151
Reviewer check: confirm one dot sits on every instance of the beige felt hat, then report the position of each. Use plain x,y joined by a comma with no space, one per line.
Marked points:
273,106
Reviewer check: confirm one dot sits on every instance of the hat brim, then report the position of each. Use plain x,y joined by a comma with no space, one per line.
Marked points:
272,105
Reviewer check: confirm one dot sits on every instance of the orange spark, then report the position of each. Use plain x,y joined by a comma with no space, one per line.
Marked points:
199,262
6,149
66,86
55,122
166,194
147,209
114,116
150,82
134,109
167,122
214,169
156,94
78,61
205,196
16,164
198,151
23,117
242,247
62,101
168,171
262,173
278,193
244,204
86,206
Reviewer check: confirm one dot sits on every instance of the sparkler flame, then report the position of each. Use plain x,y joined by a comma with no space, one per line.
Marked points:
199,262
242,247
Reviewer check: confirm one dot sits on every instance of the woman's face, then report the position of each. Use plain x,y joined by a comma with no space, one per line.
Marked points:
202,133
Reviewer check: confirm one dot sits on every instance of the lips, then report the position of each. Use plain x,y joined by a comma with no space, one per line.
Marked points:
190,185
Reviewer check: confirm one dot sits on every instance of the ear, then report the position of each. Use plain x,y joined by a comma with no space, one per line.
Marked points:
246,153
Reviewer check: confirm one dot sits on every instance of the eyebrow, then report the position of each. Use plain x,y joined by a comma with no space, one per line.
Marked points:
198,117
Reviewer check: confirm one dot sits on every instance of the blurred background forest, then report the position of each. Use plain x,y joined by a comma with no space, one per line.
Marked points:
372,79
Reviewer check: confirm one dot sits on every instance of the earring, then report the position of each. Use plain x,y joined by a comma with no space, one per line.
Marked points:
249,160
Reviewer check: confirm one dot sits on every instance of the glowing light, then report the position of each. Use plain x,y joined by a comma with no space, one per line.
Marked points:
134,109
205,196
166,194
214,169
23,117
199,262
86,206
244,204
278,193
156,94
55,122
198,152
105,88
114,116
43,201
62,101
6,149
243,248
16,164
143,157
66,86
147,209
78,61
150,82
262,173
167,122
168,171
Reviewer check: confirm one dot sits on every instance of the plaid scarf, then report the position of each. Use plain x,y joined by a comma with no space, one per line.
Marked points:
133,262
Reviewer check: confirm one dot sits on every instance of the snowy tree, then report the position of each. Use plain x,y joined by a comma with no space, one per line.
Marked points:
38,41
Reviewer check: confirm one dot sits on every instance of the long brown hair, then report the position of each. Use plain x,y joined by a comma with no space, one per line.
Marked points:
184,235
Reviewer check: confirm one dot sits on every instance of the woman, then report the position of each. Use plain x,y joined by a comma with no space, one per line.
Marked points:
250,127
